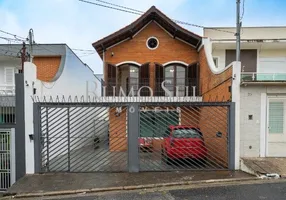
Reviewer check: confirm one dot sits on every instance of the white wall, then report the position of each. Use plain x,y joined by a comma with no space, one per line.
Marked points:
220,53
262,53
247,33
72,82
250,130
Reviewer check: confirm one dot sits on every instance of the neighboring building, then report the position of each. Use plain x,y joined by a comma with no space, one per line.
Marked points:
149,51
99,82
58,73
263,80
58,68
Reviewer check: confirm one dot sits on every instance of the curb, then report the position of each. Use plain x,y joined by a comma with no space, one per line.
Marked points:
126,188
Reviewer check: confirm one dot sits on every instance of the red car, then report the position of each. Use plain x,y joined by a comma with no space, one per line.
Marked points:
183,142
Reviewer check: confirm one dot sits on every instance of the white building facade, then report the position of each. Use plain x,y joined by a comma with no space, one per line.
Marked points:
262,91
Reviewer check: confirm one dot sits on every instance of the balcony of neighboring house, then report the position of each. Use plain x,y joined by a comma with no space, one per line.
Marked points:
262,61
7,89
173,80
256,77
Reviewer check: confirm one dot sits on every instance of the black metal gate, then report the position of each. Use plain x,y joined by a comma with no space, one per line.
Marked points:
92,137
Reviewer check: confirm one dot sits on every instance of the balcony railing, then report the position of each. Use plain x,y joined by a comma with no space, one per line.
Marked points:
7,109
179,87
7,90
262,77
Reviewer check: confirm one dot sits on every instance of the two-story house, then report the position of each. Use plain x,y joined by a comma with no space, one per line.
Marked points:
263,78
160,61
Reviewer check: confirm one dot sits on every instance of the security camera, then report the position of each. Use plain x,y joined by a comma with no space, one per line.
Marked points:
112,54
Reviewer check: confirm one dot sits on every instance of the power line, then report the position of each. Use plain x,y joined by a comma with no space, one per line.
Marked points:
138,12
127,8
242,13
110,7
15,36
90,50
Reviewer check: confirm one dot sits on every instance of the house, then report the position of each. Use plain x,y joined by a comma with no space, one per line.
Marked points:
56,72
262,85
155,58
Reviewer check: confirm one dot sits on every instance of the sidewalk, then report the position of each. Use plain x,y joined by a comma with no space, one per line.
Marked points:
260,166
71,183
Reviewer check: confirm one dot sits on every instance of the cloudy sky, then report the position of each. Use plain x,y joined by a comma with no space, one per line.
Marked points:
79,24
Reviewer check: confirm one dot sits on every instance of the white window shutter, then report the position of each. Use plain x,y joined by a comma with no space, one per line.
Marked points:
9,75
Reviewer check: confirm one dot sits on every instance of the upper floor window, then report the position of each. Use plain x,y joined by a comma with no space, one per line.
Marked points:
176,75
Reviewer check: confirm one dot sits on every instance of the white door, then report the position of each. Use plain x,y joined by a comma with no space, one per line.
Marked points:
276,131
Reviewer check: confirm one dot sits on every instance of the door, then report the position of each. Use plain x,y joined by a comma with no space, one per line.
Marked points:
276,131
5,170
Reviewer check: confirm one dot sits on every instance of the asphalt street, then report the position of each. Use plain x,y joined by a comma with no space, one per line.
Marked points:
271,191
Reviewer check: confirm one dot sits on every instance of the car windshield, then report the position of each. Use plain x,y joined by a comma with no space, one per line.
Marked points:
186,133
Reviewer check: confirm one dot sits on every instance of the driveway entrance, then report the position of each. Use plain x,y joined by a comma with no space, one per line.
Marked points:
102,137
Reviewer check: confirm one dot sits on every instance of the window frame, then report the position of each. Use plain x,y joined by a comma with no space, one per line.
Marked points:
175,65
152,37
217,61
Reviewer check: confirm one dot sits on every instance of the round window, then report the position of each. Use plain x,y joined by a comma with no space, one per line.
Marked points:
152,43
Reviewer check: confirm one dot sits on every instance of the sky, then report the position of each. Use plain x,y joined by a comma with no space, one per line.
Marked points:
79,24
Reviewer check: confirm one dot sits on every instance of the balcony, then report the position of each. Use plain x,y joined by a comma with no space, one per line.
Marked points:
7,90
254,77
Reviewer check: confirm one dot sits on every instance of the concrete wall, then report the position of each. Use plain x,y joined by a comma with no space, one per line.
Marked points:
252,131
247,33
262,53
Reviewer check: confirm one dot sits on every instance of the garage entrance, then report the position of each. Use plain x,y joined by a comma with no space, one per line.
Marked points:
102,137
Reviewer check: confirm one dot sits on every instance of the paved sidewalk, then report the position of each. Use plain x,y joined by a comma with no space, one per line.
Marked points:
46,183
266,165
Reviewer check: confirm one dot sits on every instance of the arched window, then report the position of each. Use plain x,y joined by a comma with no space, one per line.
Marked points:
128,77
175,77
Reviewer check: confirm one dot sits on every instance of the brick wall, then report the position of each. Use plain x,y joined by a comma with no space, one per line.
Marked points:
47,67
117,130
214,87
169,49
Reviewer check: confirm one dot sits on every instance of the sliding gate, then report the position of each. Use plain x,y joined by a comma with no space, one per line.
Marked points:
102,137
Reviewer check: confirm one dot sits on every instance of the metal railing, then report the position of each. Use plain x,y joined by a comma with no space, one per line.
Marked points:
262,77
7,90
7,110
5,168
177,87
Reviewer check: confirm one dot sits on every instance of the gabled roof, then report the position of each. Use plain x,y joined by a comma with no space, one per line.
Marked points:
152,14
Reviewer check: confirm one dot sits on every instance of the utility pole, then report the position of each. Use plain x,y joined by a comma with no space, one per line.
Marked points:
238,26
31,42
23,56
